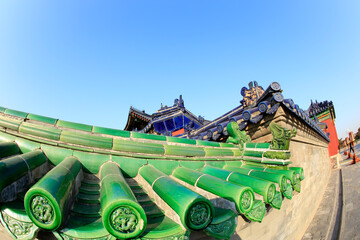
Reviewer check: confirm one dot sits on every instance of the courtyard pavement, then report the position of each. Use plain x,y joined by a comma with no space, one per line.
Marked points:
338,216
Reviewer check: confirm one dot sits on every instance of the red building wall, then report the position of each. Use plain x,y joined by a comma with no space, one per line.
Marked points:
334,141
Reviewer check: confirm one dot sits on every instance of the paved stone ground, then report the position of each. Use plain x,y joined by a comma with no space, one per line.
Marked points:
350,225
325,224
338,216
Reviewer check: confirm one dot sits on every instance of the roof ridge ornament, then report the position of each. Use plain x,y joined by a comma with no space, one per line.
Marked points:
281,136
251,95
236,136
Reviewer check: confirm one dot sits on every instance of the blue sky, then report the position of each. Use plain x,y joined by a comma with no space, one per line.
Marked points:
89,61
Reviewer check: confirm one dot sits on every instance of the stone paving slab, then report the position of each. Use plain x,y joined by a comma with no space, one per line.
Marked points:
350,226
324,224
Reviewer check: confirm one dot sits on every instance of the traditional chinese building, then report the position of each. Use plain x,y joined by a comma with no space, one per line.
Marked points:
323,113
168,121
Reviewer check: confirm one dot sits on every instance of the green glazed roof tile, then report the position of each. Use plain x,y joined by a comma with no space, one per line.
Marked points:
250,145
91,161
207,143
148,136
184,151
129,166
85,149
218,152
2,109
78,126
113,132
181,140
227,145
194,165
16,113
42,118
10,123
56,154
40,131
218,164
138,147
4,137
166,166
86,139
263,145
26,145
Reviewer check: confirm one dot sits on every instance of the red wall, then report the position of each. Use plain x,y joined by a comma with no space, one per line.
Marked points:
334,141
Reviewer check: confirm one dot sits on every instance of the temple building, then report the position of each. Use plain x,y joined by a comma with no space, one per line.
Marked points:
323,113
168,121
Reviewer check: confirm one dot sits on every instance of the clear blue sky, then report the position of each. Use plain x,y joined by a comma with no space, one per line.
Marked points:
89,61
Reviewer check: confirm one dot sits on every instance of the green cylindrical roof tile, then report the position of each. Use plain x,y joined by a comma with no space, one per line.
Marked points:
184,151
40,131
113,132
138,147
78,126
207,143
86,139
41,118
210,152
8,149
16,113
227,145
250,145
148,136
4,137
237,152
181,140
263,145
10,123
117,198
2,109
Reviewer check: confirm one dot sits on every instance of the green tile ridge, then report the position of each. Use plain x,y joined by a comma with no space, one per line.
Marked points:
78,126
2,109
42,118
16,113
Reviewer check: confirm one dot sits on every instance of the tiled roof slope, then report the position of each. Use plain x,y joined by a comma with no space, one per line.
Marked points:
316,107
254,107
86,182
